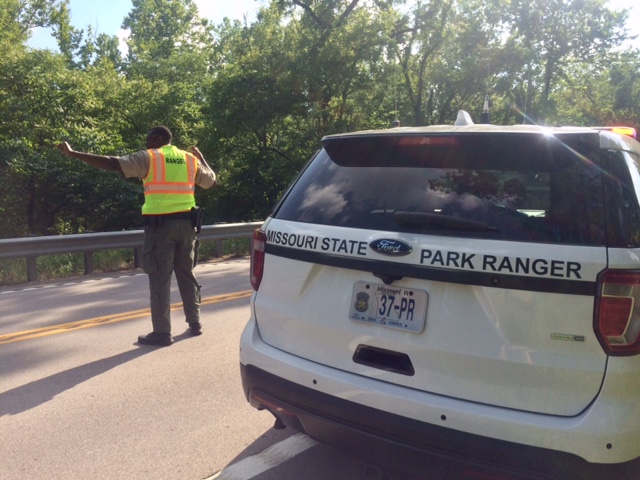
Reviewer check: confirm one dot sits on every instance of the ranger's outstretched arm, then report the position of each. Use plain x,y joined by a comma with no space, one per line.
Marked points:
102,162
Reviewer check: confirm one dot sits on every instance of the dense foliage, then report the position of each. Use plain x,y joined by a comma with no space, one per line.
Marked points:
257,98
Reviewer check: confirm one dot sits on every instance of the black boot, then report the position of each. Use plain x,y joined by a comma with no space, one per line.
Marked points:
155,338
195,328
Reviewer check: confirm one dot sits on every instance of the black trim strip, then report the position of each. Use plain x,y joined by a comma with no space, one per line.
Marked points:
482,279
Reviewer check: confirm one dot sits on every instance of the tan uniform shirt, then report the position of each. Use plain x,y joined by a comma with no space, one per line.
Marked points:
137,165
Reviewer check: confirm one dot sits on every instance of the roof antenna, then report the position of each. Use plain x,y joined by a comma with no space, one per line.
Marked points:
485,118
396,122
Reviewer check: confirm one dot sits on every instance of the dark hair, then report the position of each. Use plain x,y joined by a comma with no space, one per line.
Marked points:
163,132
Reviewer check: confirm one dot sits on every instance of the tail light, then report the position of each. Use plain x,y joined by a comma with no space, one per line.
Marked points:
617,315
257,258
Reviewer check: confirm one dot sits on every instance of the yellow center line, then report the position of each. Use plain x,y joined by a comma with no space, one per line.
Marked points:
107,319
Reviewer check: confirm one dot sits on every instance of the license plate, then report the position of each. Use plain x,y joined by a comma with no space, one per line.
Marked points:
395,307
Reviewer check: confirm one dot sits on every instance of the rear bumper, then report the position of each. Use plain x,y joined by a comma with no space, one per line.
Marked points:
386,424
413,447
386,439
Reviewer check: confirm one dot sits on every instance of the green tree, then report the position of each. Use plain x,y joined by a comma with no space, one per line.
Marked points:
257,98
599,95
250,102
19,17
68,37
340,49
162,28
170,63
419,38
44,101
550,38
98,49
301,71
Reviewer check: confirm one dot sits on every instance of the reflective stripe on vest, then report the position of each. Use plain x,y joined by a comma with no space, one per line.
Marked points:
169,186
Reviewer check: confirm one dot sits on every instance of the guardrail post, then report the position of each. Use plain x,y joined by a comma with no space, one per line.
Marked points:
137,257
219,248
88,263
32,269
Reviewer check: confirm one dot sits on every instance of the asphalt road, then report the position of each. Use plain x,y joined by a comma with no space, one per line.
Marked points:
79,398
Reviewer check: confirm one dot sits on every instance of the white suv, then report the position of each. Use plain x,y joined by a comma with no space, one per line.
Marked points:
468,296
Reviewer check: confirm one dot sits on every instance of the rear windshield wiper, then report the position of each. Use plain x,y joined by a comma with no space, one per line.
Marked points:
422,219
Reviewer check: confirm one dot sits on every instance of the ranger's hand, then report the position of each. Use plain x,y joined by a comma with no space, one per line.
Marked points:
204,166
65,148
197,153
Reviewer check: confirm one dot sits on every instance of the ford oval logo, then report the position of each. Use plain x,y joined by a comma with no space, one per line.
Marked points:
391,247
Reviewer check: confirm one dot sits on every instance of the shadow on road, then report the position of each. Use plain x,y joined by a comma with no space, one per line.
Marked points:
31,395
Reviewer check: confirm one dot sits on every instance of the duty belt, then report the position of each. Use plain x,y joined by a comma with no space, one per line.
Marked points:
157,220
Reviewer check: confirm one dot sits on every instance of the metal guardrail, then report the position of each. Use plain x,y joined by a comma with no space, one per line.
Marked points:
33,247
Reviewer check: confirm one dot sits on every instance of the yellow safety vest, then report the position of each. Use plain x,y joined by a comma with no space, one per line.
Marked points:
169,186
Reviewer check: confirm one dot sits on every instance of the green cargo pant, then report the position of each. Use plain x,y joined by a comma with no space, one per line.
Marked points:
167,249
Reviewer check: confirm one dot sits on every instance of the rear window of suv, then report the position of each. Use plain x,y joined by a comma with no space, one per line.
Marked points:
517,187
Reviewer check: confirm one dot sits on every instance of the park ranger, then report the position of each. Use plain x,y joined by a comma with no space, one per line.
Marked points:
171,221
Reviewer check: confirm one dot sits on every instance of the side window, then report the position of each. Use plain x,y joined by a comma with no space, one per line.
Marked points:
623,211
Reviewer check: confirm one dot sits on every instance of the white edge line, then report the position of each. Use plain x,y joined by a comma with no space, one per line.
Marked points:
273,456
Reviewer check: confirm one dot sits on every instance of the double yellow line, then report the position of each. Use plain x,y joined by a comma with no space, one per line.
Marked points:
105,320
